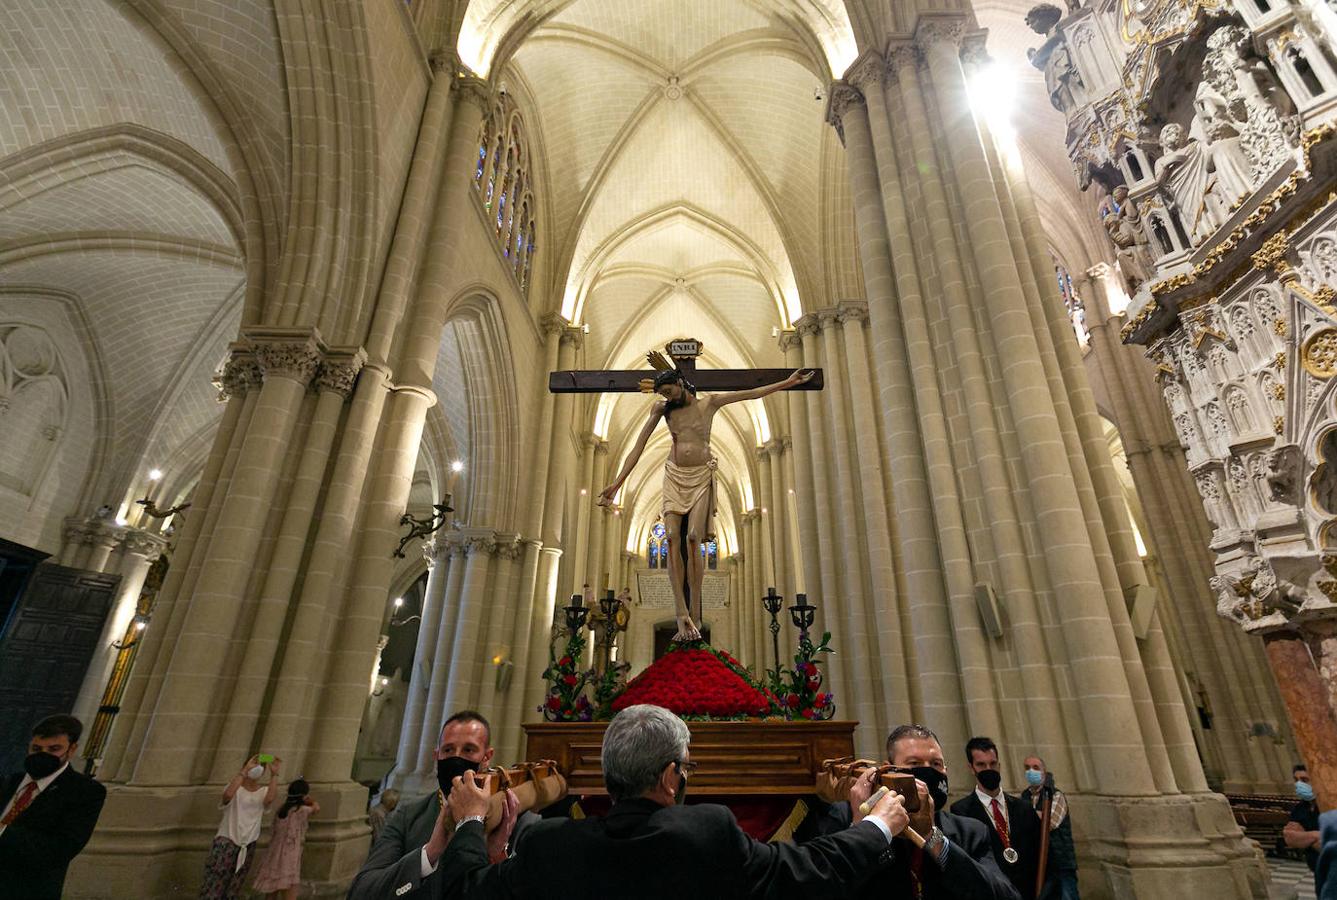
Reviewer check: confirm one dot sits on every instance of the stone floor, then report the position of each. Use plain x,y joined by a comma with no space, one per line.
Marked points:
1291,880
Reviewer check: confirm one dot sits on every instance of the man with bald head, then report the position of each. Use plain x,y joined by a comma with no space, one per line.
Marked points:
1061,870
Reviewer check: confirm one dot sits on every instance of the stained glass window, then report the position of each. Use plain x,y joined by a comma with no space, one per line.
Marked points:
501,176
657,547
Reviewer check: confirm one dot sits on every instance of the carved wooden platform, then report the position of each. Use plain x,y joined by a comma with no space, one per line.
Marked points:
733,758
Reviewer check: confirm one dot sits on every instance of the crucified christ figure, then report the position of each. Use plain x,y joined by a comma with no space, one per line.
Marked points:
689,480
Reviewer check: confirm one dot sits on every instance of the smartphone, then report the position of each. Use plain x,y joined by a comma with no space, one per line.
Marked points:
265,758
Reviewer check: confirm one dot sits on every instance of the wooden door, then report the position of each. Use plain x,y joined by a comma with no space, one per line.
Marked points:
46,645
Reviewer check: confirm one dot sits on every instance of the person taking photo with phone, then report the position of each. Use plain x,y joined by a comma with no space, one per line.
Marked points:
245,799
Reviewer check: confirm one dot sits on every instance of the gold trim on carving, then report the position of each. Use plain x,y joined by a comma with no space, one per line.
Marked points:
1318,354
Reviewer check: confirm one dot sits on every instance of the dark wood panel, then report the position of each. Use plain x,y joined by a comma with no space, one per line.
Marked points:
738,758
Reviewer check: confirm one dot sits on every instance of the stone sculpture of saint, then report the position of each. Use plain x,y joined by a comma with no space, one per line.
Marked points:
1184,171
1123,223
689,480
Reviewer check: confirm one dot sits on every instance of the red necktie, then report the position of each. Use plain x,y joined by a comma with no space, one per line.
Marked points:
1001,824
21,803
917,871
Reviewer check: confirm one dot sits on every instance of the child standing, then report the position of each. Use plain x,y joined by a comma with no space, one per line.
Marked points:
281,872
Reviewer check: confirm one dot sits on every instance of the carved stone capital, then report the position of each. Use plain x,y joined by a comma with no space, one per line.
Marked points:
142,543
841,98
589,440
508,546
475,544
573,336
239,374
551,323
436,549
286,352
903,55
974,53
470,88
339,371
827,317
774,447
868,69
940,28
852,311
789,339
807,325
298,361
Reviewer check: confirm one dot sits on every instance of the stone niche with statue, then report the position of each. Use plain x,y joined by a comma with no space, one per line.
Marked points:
1205,133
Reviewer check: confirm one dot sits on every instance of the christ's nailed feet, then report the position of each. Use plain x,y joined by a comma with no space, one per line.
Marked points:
687,630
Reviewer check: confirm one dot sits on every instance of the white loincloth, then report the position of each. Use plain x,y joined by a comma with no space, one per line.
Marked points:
687,486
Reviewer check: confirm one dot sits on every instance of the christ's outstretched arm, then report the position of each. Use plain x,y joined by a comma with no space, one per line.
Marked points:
800,376
656,413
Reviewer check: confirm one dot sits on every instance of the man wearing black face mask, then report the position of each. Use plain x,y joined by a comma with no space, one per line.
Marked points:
955,863
1014,826
405,859
47,813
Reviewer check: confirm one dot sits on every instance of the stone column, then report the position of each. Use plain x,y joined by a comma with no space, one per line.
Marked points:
882,615
182,719
584,500
936,690
599,516
436,550
419,777
809,572
139,550
766,531
780,520
1305,691
1111,718
466,654
867,699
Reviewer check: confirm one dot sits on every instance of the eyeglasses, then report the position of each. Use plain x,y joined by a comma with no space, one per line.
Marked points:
686,768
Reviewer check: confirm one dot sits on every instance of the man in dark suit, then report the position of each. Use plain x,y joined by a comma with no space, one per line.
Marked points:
47,813
956,863
649,846
1014,827
404,857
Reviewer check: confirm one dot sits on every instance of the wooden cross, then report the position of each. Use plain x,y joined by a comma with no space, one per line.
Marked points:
684,354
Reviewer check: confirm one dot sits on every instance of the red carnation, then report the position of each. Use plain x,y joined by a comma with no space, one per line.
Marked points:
807,713
569,680
792,700
564,661
821,700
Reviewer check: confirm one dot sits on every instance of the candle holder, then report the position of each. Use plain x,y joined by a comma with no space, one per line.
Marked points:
576,614
421,528
609,605
772,603
803,614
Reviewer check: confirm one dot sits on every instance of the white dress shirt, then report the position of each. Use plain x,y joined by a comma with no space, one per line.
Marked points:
988,807
42,784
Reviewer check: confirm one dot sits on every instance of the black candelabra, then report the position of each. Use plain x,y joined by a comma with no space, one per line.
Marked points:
421,528
609,605
772,603
803,614
576,614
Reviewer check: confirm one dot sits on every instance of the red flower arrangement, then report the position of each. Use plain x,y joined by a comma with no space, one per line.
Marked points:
699,682
566,700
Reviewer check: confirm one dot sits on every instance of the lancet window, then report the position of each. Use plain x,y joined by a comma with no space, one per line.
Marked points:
1072,303
502,178
656,550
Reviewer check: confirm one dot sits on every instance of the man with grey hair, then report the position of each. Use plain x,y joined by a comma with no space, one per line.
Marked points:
651,846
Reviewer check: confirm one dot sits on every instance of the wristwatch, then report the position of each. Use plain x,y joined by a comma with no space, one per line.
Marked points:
468,819
936,844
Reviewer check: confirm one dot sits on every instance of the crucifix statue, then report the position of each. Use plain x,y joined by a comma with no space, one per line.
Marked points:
689,471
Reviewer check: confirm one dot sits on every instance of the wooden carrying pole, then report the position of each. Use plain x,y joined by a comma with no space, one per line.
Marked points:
1046,808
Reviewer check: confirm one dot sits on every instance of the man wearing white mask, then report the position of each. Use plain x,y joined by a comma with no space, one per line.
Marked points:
245,800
